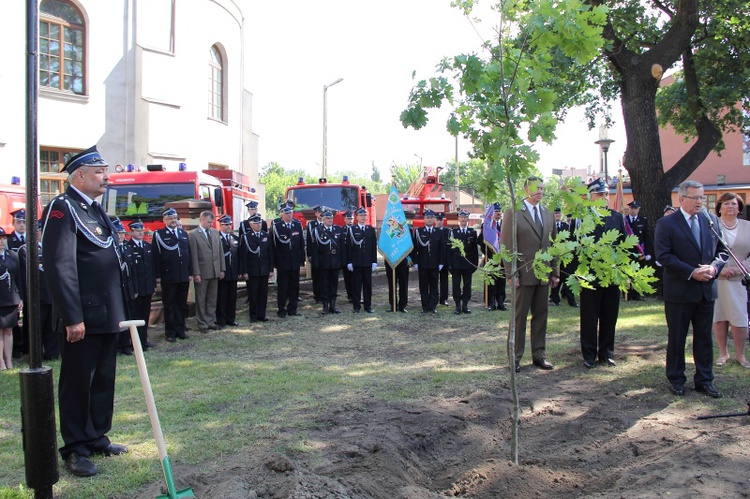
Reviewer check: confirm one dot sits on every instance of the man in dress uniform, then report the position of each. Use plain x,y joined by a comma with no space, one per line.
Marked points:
600,305
361,260
16,239
124,345
252,210
174,267
428,256
496,289
289,254
639,227
226,298
443,275
142,255
402,283
82,269
349,221
256,264
536,229
310,242
208,268
327,242
462,267
554,294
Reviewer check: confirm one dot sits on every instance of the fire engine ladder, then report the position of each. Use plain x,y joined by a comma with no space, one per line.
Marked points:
427,184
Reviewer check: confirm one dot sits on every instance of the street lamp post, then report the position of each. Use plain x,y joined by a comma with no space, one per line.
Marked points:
325,127
604,143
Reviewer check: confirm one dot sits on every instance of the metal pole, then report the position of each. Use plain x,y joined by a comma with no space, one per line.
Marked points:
324,167
37,390
458,191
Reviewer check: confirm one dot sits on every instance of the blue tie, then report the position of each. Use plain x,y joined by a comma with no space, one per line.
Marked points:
696,229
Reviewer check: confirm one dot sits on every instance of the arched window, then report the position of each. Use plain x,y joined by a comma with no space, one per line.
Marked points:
61,43
215,84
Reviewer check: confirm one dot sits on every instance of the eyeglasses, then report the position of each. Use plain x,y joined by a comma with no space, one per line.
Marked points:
696,198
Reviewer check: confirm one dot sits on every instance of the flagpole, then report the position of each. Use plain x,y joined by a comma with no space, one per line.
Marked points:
395,307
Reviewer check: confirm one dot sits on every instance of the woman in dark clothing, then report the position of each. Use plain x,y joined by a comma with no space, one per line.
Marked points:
10,300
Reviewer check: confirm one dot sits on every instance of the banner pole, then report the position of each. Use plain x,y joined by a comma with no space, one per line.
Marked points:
395,304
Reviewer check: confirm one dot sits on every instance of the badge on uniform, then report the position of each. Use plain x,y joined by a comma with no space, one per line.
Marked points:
98,231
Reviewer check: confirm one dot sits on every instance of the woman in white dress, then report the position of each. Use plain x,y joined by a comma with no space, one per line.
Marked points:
730,309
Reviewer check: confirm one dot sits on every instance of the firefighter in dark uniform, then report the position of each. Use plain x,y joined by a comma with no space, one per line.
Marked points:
428,255
443,275
310,243
16,239
554,293
82,268
639,226
47,314
496,289
289,254
252,210
226,294
362,260
600,305
11,299
328,256
142,259
174,267
462,267
402,283
256,264
348,274
124,345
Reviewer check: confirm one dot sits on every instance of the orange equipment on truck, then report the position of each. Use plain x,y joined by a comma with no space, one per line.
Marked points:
12,198
424,193
336,197
144,195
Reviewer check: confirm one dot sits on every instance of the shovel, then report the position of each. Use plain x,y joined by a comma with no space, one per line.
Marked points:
153,416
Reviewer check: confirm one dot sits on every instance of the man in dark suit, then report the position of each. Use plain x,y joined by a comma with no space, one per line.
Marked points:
536,230
495,297
16,239
554,293
687,249
226,298
428,256
639,227
444,274
143,267
348,275
462,267
328,255
174,268
124,344
252,210
600,305
362,259
310,244
289,254
256,264
82,268
207,254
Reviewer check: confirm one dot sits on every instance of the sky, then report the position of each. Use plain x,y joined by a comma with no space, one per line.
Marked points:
295,47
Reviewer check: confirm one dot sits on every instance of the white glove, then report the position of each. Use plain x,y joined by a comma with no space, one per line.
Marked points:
440,267
416,266
350,267
648,257
374,266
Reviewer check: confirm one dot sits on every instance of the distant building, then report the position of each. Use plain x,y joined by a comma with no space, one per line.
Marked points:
148,81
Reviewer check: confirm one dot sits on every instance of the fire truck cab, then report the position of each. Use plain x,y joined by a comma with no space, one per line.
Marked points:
12,198
338,197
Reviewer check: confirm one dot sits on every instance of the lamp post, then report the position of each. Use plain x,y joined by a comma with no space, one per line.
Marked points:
604,143
325,127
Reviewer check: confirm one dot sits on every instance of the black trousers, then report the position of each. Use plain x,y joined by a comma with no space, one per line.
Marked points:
428,288
459,294
444,284
140,308
362,283
257,293
226,303
329,284
679,318
496,293
174,299
48,325
316,283
599,310
86,393
348,278
287,290
402,283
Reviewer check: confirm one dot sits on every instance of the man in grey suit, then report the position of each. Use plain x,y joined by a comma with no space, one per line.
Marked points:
536,229
209,266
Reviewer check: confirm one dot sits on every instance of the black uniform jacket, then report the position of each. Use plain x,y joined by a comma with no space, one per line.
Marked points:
256,254
143,266
454,259
361,246
428,248
231,245
81,265
11,283
328,247
289,245
172,256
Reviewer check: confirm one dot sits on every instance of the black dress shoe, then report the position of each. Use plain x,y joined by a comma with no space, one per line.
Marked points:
126,351
589,364
543,364
466,311
264,319
281,314
171,339
457,311
608,362
80,465
389,309
518,367
677,389
502,307
574,305
355,311
232,324
491,308
709,390
150,345
293,314
369,311
182,336
403,310
112,450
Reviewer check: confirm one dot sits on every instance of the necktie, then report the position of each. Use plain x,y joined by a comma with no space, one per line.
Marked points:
23,239
696,229
537,217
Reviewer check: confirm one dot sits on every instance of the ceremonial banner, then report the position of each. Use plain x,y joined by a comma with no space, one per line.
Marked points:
489,229
395,242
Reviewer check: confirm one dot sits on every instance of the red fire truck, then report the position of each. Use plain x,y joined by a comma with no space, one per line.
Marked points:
424,193
337,197
144,195
12,198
